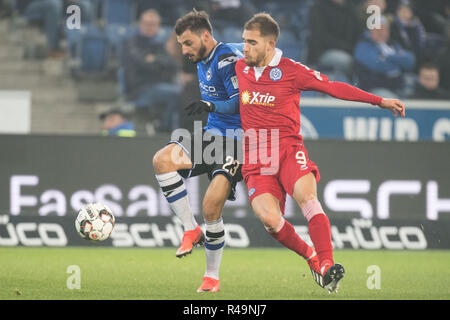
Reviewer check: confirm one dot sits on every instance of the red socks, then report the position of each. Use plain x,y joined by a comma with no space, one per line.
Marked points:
320,233
291,240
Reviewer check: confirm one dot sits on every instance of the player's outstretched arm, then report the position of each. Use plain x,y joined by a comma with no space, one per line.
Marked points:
395,105
346,91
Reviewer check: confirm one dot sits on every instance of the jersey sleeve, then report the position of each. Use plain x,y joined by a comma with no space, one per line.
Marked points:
309,79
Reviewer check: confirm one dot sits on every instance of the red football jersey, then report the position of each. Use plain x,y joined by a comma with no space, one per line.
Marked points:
270,96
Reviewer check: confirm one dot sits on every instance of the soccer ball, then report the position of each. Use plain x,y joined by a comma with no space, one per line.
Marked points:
95,221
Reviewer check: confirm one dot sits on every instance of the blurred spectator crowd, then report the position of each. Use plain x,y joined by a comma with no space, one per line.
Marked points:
404,52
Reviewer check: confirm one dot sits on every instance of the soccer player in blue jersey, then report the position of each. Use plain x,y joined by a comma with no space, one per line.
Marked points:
220,97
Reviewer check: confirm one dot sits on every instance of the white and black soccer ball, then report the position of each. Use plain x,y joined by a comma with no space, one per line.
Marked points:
95,221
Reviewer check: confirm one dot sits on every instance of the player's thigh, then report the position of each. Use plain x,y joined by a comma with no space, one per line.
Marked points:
215,197
179,154
223,179
170,158
299,175
267,208
230,166
267,198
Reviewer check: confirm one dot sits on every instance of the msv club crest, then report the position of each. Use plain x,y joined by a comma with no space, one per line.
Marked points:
275,74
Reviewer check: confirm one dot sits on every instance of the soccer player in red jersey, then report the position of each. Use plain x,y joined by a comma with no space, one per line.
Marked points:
276,161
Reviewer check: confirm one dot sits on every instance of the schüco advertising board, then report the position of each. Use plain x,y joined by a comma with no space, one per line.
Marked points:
393,195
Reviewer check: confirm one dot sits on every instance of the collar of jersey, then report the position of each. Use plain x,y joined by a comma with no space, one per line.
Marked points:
273,63
276,58
211,54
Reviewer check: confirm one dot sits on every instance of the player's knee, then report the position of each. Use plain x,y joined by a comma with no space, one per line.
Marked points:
159,161
212,209
305,198
164,161
270,219
273,223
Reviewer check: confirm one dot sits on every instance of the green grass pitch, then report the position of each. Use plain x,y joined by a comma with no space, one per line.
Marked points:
156,274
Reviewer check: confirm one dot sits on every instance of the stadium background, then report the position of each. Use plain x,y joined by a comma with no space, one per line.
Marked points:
385,181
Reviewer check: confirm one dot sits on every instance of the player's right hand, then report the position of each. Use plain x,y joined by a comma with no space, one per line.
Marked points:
396,106
198,107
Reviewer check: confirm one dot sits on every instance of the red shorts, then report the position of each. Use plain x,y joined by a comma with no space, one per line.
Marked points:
293,164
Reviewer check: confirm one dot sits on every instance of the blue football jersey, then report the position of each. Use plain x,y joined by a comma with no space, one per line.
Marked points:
218,82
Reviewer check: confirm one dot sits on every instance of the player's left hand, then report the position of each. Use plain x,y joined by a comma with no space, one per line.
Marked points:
395,105
198,107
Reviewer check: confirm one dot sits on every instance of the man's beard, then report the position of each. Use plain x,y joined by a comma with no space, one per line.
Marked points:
255,62
250,63
201,54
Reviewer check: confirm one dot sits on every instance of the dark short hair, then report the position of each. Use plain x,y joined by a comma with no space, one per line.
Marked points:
196,21
152,11
111,112
266,25
429,66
